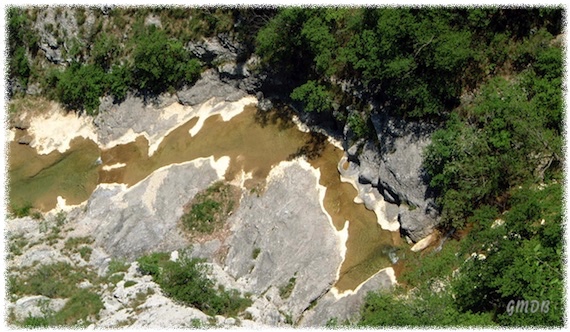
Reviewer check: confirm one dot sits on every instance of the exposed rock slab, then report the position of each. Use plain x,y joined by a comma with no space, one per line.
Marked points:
347,307
36,306
294,239
207,87
131,222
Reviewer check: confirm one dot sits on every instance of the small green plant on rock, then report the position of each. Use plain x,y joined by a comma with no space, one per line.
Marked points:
286,290
209,209
255,253
19,211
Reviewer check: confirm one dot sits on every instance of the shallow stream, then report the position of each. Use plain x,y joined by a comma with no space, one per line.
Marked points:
254,141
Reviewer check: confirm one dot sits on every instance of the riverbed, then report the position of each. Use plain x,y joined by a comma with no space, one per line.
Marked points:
255,141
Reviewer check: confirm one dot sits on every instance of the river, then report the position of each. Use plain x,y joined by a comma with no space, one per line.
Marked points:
255,142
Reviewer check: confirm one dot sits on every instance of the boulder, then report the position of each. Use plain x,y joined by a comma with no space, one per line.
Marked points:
211,50
26,139
207,87
394,166
36,306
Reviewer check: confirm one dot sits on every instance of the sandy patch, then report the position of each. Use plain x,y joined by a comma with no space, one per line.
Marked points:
390,274
424,243
227,110
114,166
153,184
240,178
10,135
62,206
221,165
54,130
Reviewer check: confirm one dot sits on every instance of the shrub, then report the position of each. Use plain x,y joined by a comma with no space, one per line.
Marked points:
117,265
150,264
79,87
19,211
186,281
286,290
83,305
314,96
160,62
209,209
255,253
130,283
55,280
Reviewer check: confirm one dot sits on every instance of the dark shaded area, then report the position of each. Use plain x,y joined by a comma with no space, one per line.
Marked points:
312,149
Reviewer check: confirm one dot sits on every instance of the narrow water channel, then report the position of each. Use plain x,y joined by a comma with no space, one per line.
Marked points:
255,142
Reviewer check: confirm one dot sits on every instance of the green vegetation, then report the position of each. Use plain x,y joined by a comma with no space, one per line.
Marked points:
116,266
286,290
523,259
21,211
315,96
416,61
15,245
470,283
21,41
130,283
119,52
79,245
160,62
511,133
186,281
256,251
75,242
81,308
209,209
57,280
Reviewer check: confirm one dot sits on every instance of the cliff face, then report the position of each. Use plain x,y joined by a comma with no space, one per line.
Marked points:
393,165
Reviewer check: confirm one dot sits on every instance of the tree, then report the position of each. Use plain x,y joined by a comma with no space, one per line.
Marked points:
79,87
105,50
161,63
522,260
314,96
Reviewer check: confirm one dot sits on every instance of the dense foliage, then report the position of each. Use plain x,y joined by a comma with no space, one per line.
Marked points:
186,280
511,133
416,61
160,62
516,258
58,280
20,34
